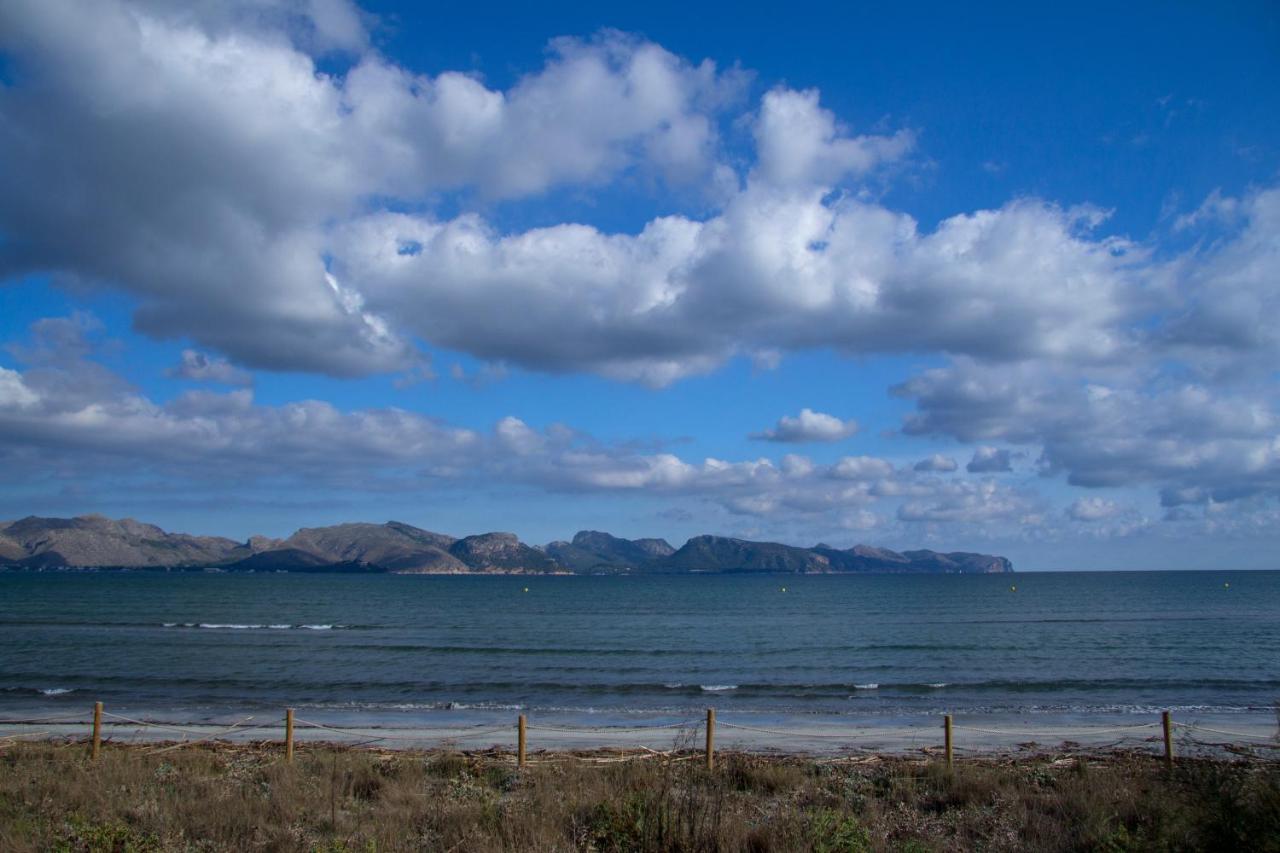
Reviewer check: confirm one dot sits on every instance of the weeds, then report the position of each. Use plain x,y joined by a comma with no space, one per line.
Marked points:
349,800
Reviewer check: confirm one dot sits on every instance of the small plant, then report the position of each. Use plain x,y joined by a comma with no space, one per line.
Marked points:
113,836
833,832
448,765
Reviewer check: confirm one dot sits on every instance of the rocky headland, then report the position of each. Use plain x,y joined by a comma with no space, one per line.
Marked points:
93,541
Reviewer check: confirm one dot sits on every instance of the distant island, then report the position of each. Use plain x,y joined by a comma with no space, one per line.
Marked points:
94,541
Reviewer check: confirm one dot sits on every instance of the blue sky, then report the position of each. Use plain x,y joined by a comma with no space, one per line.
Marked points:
661,270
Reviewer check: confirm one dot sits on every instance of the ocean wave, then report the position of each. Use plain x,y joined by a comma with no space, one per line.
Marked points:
57,691
685,705
607,651
880,712
496,688
246,626
254,626
441,705
551,651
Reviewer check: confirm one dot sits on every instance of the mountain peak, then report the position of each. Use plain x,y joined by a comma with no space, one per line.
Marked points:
594,551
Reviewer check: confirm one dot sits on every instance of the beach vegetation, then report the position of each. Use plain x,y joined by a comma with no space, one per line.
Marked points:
138,799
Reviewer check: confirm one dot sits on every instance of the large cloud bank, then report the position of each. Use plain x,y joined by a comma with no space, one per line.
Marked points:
284,217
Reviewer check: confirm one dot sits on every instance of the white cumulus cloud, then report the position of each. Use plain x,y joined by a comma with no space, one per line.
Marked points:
809,426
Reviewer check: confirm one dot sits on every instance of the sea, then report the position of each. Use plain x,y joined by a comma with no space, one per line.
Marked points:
417,650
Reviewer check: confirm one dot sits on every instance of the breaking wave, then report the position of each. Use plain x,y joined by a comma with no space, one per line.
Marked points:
239,626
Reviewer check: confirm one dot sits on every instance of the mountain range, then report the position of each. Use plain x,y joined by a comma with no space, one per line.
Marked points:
93,541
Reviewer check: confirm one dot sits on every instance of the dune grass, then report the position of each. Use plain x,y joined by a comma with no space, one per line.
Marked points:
343,799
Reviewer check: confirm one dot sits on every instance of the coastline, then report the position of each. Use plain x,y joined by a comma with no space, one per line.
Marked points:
973,734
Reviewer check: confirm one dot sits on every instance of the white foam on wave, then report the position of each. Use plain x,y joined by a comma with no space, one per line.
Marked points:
871,685
241,626
58,691
937,684
718,688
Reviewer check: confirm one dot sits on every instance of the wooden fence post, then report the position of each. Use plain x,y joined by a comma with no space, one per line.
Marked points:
520,740
288,735
711,738
946,729
96,743
1166,721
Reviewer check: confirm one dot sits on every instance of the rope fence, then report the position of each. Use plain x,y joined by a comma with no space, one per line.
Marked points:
427,735
688,728
1058,733
40,721
1195,728
606,730
238,727
844,735
147,724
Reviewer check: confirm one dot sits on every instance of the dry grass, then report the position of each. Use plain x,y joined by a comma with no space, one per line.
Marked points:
335,799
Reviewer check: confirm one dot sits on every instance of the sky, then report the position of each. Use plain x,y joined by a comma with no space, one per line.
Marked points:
991,278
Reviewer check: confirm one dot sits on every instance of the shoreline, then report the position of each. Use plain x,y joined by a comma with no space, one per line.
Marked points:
973,734
263,744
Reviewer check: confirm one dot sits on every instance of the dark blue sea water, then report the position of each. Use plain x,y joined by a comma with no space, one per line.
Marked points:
195,646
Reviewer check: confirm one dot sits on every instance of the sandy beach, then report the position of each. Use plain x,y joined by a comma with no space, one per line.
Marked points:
972,734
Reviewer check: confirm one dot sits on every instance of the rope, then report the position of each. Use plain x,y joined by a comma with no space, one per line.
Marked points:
39,721
427,734
151,725
610,729
1193,726
230,728
841,735
213,736
1232,746
1062,733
